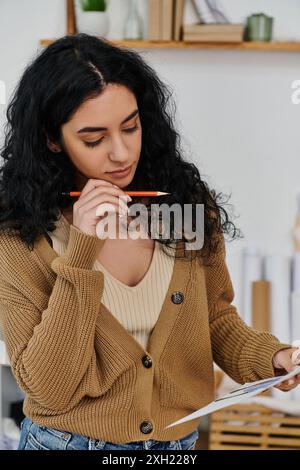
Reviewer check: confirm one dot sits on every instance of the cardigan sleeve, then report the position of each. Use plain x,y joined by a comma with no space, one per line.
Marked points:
51,351
243,352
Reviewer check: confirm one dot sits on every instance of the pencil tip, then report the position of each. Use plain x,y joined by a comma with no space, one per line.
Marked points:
160,193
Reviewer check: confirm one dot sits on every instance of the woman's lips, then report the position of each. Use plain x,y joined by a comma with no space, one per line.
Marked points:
120,174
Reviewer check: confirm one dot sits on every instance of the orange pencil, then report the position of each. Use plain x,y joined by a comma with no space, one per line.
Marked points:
130,193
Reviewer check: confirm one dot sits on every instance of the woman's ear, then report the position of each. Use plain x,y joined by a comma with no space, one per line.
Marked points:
53,147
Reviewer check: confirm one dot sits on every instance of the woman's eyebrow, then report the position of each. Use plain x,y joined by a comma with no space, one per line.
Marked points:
97,129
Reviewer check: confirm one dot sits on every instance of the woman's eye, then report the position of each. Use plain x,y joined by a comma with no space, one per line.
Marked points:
131,129
97,142
93,144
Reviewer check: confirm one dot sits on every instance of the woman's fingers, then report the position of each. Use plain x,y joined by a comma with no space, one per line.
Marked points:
92,184
108,207
103,189
107,197
288,385
100,196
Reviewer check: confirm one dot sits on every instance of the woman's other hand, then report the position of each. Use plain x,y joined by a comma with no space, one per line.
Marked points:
284,361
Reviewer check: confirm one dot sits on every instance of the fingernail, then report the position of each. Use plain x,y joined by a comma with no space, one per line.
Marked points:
295,357
128,197
291,382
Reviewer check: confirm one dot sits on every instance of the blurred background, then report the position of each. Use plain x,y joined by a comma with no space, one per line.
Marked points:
233,67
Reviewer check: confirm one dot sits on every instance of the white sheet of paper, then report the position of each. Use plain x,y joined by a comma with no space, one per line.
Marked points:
247,390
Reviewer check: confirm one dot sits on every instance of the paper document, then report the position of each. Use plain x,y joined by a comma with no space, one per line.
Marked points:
239,394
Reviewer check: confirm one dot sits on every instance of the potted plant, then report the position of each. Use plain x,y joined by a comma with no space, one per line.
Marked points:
92,17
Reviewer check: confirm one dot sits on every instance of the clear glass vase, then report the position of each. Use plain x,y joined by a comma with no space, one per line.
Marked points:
133,27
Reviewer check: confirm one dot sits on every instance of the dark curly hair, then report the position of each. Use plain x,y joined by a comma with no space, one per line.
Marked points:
51,89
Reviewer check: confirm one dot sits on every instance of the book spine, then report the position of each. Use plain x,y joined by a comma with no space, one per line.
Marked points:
167,20
213,38
178,19
154,20
224,28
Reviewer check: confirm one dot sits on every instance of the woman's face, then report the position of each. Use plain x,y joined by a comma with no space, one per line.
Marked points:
105,135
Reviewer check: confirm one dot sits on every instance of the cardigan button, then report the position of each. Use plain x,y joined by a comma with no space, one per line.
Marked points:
146,427
147,361
177,297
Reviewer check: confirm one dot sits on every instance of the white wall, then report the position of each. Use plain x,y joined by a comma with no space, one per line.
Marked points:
235,113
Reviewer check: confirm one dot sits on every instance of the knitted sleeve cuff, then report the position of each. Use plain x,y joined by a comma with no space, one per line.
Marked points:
256,358
82,249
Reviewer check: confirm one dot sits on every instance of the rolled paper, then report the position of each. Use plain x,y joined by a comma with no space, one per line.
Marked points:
261,305
296,272
296,233
252,271
278,273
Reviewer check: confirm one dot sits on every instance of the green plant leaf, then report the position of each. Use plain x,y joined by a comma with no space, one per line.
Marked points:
93,5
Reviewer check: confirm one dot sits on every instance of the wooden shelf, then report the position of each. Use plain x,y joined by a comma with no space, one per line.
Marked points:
257,46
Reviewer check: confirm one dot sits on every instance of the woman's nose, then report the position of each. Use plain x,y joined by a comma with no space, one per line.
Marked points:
119,151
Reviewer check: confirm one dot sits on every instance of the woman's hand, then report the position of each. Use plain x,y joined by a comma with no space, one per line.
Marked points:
97,198
284,361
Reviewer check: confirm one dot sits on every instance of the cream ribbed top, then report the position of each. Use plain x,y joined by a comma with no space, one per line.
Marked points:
137,308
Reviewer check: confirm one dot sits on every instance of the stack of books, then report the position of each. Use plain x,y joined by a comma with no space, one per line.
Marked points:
213,32
165,20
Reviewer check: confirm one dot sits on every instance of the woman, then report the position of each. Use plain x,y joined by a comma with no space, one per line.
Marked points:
108,365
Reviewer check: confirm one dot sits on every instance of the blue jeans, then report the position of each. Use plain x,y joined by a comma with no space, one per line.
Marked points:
36,437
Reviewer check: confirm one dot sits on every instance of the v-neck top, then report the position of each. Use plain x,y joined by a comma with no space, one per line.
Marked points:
136,307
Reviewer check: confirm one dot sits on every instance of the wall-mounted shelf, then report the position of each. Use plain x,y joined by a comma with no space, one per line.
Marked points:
244,46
